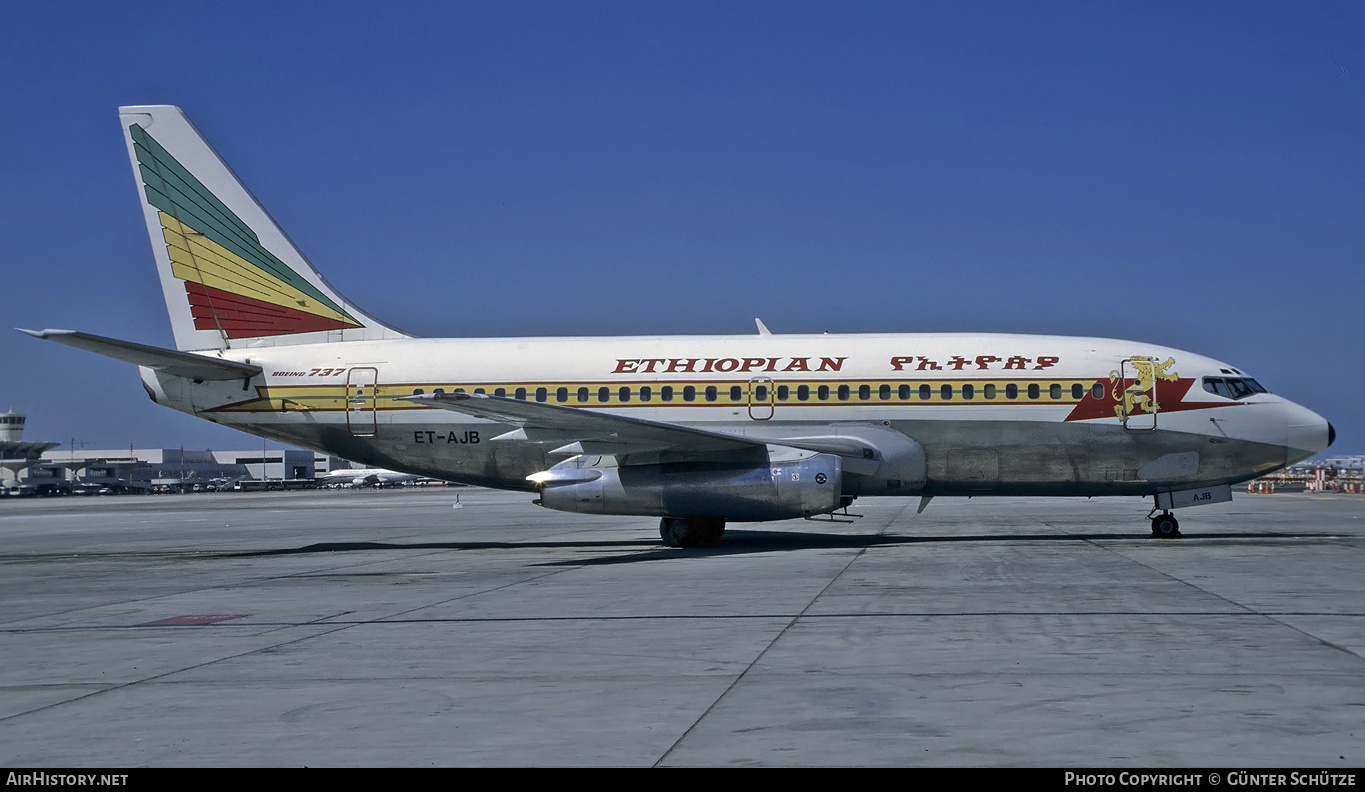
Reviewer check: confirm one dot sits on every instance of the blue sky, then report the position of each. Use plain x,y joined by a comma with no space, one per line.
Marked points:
1189,174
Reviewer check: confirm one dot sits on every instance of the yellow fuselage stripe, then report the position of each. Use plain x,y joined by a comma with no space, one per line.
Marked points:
288,398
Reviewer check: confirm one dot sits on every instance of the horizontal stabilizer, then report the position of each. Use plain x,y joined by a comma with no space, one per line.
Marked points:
180,364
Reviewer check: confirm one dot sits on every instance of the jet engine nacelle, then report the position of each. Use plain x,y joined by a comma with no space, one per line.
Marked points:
780,490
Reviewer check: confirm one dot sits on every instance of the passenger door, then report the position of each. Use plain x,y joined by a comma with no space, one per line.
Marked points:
761,398
1138,406
361,387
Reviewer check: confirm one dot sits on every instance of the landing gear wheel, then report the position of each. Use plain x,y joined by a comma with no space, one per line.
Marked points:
691,531
1165,526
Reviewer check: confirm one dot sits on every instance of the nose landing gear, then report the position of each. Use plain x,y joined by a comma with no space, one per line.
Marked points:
1165,526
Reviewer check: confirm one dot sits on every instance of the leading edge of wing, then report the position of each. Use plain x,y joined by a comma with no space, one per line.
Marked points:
586,426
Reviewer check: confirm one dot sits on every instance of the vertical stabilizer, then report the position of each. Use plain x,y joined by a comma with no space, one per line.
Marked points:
230,276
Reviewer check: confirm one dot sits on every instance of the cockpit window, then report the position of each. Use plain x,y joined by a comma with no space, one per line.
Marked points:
1217,386
1233,387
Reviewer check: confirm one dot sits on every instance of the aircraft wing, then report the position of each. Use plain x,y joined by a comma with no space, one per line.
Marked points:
586,431
180,364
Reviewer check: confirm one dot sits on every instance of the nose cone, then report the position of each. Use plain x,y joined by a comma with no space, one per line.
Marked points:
1309,433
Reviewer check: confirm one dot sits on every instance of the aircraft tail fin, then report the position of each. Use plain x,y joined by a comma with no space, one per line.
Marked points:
230,275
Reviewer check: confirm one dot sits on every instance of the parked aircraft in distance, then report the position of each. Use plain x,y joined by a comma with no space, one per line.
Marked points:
696,430
364,477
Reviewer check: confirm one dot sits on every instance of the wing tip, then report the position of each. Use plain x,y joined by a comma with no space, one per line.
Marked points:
45,333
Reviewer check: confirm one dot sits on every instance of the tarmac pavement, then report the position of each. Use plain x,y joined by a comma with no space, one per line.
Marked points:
385,628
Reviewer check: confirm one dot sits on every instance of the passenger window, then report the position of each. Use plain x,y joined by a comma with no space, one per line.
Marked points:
884,393
541,394
843,393
783,392
623,394
582,394
501,393
822,393
988,391
1077,390
521,394
1033,391
562,395
1011,391
711,393
666,393
925,393
689,393
761,393
903,392
968,391
1055,390
736,393
803,392
604,394
478,390
1097,391
646,393
946,392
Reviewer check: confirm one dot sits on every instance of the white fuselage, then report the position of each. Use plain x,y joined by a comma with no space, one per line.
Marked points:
994,414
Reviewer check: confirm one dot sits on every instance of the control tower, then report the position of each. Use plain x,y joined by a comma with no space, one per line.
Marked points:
15,454
12,426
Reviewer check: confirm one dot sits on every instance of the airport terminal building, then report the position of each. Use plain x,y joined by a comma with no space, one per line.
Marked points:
173,469
41,468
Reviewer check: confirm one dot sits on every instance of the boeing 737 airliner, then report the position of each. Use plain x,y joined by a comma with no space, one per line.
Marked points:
696,430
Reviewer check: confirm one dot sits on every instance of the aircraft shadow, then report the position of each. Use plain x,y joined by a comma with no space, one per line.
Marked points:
748,542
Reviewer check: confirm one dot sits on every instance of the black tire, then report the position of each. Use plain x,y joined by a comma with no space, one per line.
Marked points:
691,531
1165,526
707,530
672,530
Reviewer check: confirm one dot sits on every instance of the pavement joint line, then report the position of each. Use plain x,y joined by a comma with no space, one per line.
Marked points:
212,555
164,674
1266,615
891,520
646,546
532,578
140,600
1220,674
327,620
337,627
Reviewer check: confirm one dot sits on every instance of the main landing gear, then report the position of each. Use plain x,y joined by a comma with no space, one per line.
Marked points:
691,531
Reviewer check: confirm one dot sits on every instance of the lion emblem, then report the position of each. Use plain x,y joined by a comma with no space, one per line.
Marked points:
1141,395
